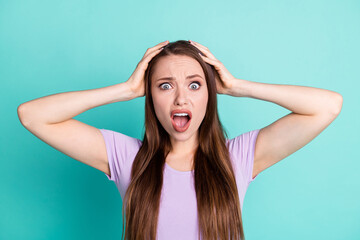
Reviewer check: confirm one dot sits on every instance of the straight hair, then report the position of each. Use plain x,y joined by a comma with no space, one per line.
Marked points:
218,205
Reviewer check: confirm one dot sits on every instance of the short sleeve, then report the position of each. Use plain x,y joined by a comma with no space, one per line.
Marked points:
242,148
121,150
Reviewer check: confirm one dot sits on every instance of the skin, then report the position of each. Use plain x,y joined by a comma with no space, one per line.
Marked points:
180,93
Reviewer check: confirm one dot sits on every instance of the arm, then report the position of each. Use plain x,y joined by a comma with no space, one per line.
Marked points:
50,118
60,107
313,109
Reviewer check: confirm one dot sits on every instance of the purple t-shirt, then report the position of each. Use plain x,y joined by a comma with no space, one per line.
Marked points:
178,207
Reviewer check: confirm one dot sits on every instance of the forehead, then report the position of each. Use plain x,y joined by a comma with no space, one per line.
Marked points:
177,66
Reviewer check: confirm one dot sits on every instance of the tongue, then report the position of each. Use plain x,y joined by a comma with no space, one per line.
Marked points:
180,121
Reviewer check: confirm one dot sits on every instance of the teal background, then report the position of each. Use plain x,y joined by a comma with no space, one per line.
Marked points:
48,47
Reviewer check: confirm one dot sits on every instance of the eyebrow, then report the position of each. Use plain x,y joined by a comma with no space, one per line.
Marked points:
172,78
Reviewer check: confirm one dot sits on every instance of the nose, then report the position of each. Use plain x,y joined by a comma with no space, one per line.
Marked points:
181,97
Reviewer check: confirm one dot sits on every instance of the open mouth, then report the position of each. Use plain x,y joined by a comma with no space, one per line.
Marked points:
181,123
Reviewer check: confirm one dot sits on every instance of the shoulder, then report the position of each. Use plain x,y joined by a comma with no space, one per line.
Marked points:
120,140
243,141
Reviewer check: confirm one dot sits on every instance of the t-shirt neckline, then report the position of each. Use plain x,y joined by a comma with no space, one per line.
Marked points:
177,171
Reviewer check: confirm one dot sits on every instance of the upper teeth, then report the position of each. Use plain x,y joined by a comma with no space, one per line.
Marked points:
181,114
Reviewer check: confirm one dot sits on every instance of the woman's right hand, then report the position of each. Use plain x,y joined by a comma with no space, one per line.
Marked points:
136,82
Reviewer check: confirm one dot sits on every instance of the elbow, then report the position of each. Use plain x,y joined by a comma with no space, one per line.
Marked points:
337,104
21,112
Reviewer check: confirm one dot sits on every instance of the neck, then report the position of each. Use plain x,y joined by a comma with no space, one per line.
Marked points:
186,147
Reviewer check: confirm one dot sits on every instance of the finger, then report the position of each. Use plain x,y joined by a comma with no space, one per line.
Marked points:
204,49
163,43
156,49
157,46
217,65
196,43
211,61
160,44
149,55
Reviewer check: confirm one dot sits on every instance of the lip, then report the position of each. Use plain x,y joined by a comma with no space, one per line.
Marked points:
181,129
181,111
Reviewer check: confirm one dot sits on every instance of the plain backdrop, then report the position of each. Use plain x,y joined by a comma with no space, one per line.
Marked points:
48,47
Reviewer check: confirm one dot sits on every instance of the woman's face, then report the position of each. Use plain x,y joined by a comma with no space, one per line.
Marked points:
187,90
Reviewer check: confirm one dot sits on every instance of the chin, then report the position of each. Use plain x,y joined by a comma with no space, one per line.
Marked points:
182,138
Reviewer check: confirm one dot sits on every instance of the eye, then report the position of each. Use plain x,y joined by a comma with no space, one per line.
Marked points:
197,84
166,88
163,85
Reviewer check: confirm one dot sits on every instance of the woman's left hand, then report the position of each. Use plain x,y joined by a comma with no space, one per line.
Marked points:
223,77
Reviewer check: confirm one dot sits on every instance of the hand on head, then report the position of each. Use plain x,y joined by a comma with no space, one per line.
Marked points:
136,81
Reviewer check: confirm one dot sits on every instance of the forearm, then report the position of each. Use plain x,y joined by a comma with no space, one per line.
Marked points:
298,99
63,106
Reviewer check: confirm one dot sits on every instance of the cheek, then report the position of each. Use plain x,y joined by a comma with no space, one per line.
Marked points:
202,99
200,107
158,96
160,108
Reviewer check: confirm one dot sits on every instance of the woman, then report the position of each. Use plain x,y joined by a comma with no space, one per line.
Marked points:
184,180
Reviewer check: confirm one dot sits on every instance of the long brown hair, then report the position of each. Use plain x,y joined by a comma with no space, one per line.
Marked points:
217,196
